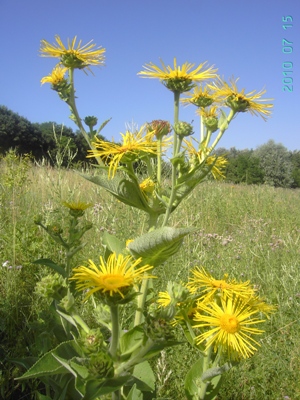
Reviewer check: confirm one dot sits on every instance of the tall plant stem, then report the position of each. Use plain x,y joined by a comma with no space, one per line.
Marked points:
115,330
141,303
206,362
159,155
223,128
176,150
75,114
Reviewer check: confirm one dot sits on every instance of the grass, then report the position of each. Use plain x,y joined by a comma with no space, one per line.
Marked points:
249,232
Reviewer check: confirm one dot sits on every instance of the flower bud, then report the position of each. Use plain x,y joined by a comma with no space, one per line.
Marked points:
237,103
182,128
161,128
91,121
178,84
101,366
91,342
158,329
52,287
211,123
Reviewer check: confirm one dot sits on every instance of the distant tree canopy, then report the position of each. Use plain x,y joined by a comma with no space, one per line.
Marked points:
270,164
18,133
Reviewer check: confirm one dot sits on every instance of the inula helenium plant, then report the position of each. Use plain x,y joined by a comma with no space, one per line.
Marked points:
221,318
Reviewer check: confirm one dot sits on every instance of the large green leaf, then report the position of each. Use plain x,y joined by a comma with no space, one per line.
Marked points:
126,191
193,381
48,365
157,246
131,341
113,244
196,380
135,394
49,263
145,377
94,388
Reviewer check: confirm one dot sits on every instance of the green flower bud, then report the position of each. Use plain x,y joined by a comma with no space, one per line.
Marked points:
203,101
101,366
68,303
91,342
160,127
211,123
182,128
70,60
91,121
158,329
52,287
178,84
54,229
237,103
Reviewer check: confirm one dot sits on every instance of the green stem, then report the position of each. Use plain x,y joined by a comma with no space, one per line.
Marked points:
139,358
159,157
72,104
206,363
222,130
80,322
174,168
141,303
201,129
115,330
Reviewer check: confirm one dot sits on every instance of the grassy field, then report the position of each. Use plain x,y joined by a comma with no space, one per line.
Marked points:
250,232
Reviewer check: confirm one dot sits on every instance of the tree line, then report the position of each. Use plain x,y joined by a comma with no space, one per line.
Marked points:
271,164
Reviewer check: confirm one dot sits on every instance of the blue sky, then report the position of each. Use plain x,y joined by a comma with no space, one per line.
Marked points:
241,38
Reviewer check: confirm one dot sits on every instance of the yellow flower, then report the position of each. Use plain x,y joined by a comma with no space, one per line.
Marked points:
57,75
199,97
147,186
134,146
179,78
73,56
209,286
202,155
76,208
114,278
164,299
219,163
231,327
240,101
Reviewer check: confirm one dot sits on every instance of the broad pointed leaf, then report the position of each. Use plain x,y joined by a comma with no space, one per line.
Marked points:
124,190
49,263
157,246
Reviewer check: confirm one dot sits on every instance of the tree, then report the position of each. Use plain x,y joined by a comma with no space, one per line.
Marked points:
295,159
276,164
18,133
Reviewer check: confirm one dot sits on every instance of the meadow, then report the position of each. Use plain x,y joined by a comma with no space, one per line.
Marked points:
249,232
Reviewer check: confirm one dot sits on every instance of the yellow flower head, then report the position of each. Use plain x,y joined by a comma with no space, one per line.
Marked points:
133,147
230,327
202,155
73,56
208,286
240,101
199,97
219,163
147,186
113,278
164,299
57,75
76,208
179,78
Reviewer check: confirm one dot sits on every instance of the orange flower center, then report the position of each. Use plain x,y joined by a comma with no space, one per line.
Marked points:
229,323
113,281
